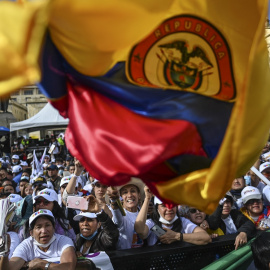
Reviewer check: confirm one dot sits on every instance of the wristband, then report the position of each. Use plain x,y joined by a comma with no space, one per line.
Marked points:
181,237
47,265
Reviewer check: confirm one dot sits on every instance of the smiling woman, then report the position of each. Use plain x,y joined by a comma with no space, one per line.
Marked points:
132,193
42,245
166,226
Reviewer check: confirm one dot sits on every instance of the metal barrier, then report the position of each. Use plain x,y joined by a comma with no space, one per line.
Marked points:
174,256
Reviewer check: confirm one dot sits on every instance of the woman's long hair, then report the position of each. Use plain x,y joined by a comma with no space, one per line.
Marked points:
59,215
177,225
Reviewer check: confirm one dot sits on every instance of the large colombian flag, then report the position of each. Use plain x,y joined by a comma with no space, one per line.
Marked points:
173,92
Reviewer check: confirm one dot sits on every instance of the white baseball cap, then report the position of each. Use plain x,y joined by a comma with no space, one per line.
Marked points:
48,194
16,169
84,214
39,213
264,166
23,163
157,201
249,193
15,157
65,180
14,198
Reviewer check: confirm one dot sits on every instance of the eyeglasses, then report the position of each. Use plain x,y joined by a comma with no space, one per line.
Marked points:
254,201
193,210
267,172
44,202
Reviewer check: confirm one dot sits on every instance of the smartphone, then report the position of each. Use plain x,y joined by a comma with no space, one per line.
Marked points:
157,230
77,202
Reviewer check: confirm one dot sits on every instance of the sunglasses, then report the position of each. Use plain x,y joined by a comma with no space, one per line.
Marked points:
193,210
254,201
267,173
44,202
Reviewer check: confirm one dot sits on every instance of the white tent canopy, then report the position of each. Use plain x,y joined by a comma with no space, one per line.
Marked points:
48,117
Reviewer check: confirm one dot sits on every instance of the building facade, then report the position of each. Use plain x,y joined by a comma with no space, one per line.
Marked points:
28,97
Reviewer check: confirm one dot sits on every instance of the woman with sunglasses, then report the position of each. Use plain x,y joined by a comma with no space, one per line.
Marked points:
176,229
253,207
48,199
198,217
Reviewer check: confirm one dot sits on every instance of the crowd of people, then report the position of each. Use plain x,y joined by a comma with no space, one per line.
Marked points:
62,211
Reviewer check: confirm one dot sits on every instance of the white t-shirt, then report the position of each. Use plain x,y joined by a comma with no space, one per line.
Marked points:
128,238
187,227
28,251
15,241
230,227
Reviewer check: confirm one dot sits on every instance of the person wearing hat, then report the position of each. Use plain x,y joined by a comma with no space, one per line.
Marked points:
231,221
22,182
48,199
54,178
39,182
253,206
43,244
97,231
17,148
46,160
15,160
69,212
237,186
17,173
57,147
131,193
175,228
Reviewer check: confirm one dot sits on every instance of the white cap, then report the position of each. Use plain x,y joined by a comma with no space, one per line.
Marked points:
84,214
15,198
88,187
23,163
157,201
24,179
94,182
60,166
39,213
65,180
15,157
16,169
264,166
48,194
249,193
